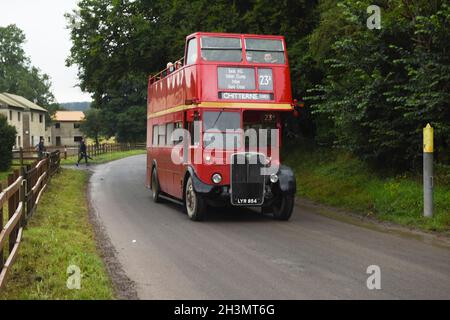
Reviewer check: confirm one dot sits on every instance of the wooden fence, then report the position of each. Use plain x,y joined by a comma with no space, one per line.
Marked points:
22,194
30,154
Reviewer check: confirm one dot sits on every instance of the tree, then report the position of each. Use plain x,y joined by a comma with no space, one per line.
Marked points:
383,86
93,124
7,140
130,126
16,74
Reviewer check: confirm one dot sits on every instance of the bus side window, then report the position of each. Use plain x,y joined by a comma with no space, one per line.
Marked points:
194,137
155,135
162,135
178,125
191,51
169,134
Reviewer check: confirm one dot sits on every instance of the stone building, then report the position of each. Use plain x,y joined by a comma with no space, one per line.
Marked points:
66,128
27,117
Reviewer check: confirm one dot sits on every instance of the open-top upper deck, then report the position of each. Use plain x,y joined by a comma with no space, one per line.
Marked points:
226,71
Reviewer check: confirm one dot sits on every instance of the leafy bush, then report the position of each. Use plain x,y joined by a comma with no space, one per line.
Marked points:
7,139
383,86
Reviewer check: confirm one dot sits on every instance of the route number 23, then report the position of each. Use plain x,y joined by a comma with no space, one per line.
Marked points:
265,80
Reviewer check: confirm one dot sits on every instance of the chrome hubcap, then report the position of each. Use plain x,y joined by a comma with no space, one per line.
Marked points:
190,198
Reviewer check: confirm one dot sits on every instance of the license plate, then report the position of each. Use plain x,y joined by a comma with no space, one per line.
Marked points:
246,201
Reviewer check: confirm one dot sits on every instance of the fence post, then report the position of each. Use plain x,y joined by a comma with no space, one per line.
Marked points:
28,189
23,195
49,168
12,206
21,156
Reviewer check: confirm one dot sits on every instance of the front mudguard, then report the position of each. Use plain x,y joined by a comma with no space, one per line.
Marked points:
199,186
286,180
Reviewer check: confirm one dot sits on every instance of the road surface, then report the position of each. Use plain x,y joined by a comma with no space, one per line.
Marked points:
240,254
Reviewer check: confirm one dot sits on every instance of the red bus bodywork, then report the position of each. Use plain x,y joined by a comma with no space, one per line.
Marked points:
192,89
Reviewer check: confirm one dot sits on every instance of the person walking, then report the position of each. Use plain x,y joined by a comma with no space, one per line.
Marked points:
41,148
82,153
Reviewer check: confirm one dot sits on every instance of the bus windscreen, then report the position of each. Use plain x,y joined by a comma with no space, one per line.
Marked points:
221,121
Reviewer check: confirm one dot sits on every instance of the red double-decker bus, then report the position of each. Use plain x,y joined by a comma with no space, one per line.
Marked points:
213,125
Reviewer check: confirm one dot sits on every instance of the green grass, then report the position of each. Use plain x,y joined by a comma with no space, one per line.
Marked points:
4,177
4,174
58,235
103,158
338,179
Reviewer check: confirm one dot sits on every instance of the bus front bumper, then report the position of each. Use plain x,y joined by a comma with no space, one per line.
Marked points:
220,195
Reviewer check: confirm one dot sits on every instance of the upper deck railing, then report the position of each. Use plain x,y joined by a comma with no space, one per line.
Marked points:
170,69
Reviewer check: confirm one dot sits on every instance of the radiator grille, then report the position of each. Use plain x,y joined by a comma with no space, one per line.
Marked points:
247,182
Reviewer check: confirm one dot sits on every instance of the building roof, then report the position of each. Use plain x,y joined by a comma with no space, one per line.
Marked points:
4,99
69,116
24,102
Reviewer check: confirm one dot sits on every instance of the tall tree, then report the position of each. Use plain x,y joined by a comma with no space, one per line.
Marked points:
93,124
383,86
16,73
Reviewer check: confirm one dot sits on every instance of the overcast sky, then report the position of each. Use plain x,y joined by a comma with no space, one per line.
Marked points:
48,41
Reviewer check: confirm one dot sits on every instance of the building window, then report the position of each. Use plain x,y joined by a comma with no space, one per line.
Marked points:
18,116
19,143
32,141
48,139
41,118
77,139
10,115
32,116
58,141
76,125
57,125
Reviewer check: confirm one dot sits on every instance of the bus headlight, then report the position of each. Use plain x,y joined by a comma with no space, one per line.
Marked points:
273,178
216,178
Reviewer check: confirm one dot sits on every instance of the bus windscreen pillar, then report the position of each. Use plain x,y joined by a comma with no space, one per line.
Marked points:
428,171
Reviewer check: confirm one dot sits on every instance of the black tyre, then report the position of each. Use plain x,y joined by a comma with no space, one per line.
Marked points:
283,207
156,191
195,205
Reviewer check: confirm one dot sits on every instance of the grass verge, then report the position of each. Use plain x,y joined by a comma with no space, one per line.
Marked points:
338,179
57,236
103,158
4,177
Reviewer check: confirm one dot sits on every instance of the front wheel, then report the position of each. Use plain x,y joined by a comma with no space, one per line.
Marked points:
283,207
195,205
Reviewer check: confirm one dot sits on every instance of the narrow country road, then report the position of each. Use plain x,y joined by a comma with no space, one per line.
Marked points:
241,254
